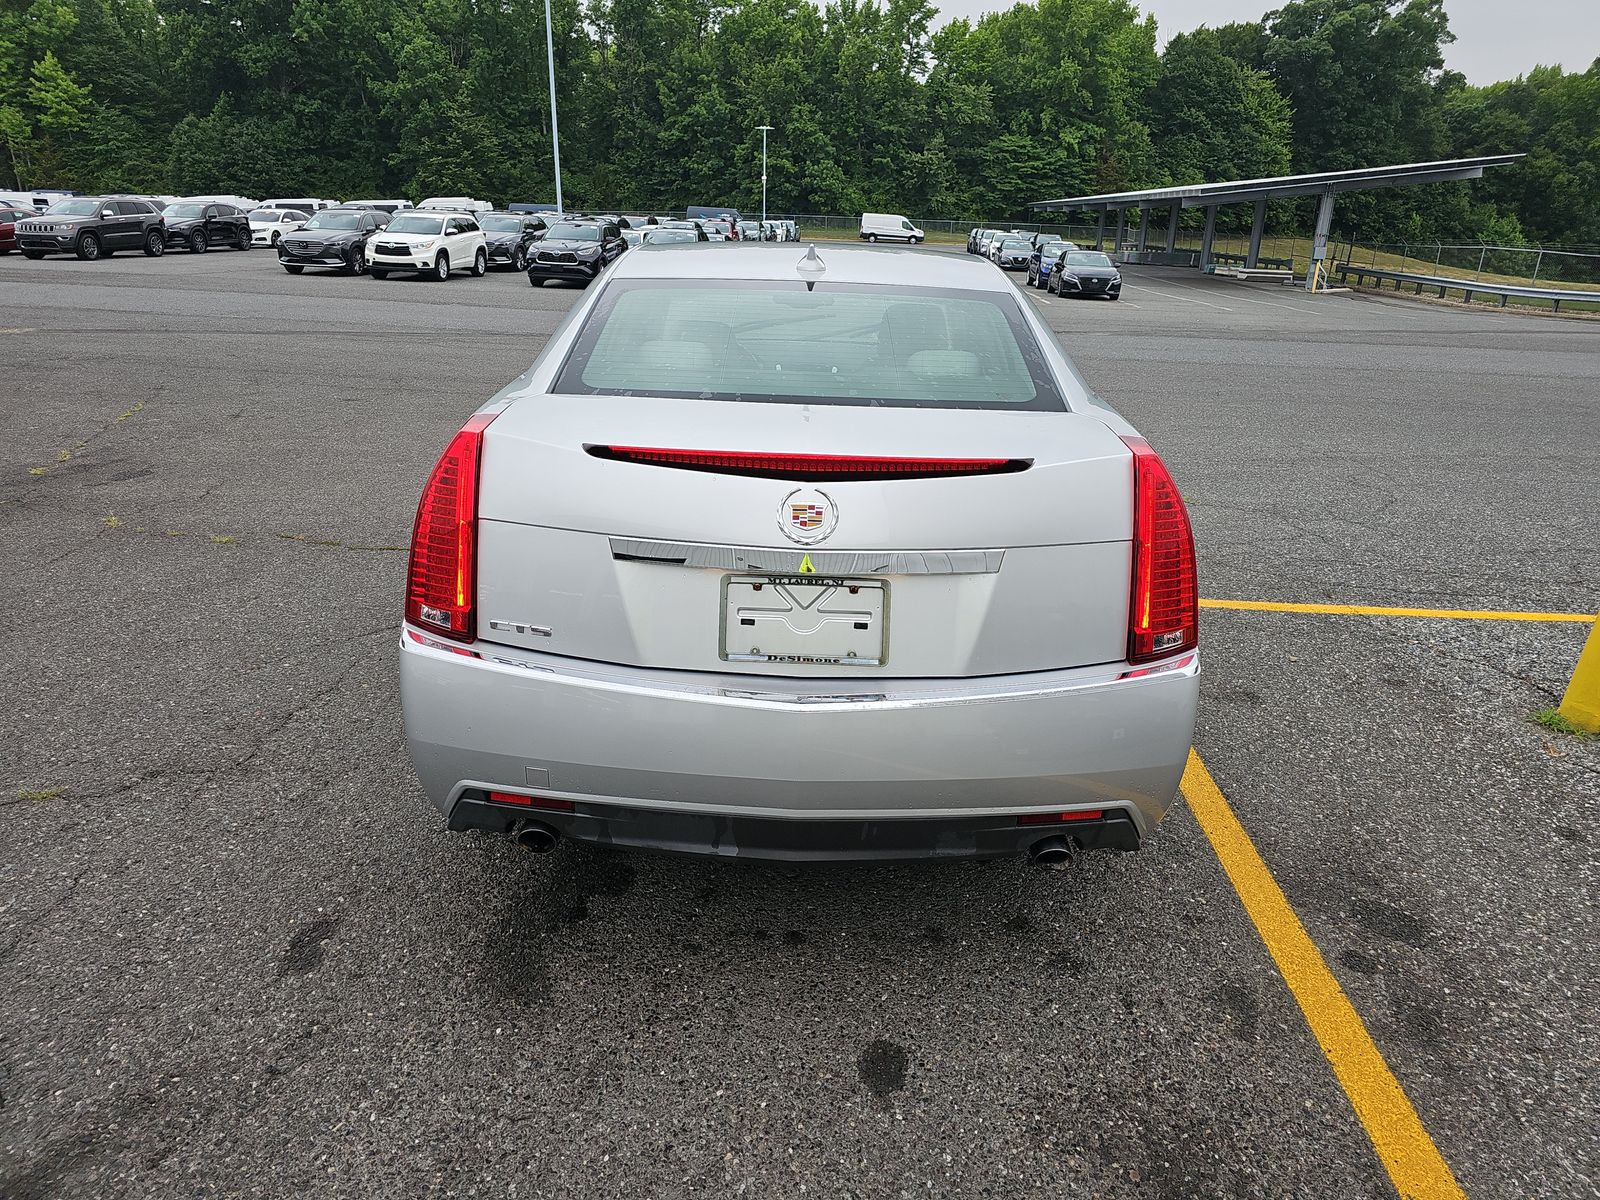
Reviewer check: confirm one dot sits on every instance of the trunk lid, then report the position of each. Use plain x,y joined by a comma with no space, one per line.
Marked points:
642,564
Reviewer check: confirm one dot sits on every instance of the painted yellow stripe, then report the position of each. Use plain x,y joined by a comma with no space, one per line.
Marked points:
1414,1164
1367,610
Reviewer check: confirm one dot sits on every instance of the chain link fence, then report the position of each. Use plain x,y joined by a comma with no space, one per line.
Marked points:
1564,266
1549,266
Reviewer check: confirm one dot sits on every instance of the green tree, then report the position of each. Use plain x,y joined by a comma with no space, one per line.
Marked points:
1214,118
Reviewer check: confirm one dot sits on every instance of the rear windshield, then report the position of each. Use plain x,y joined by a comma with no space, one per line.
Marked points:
774,341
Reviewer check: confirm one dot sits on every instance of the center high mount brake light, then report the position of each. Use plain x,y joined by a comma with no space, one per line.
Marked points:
812,467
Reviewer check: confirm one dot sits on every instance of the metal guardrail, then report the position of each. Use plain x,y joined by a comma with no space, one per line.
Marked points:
1239,260
1446,283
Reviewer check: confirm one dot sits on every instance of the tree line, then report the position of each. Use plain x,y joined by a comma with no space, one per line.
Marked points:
874,107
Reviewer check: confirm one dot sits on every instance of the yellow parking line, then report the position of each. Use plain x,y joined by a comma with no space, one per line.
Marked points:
1367,610
1408,1154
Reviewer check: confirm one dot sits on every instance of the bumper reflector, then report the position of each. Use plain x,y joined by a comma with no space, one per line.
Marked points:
549,803
1086,814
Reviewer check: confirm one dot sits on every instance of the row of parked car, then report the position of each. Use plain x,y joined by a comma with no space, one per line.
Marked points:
441,236
1053,263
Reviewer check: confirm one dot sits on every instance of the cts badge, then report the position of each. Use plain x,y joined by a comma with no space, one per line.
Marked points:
807,516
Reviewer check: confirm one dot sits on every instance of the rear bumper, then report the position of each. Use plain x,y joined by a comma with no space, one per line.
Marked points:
704,762
795,841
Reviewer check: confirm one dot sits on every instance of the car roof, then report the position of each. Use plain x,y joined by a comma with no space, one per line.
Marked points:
844,264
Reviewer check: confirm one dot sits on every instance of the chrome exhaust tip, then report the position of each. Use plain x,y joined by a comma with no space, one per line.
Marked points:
534,836
1047,852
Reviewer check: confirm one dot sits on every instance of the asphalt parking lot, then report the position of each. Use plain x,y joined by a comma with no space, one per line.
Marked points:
241,956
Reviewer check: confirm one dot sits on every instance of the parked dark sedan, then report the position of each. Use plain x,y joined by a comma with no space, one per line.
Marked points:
1012,254
92,227
334,237
198,225
511,237
576,250
1043,260
1085,273
976,238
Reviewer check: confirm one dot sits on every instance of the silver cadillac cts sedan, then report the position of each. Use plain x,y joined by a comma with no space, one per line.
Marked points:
808,555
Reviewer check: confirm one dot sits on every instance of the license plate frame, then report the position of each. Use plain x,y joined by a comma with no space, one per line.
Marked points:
746,623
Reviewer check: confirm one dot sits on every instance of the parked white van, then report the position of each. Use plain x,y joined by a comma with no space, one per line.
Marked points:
310,204
456,204
38,201
888,227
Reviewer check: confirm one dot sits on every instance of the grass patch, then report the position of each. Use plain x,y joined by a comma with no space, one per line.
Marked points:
221,539
113,521
46,794
1549,718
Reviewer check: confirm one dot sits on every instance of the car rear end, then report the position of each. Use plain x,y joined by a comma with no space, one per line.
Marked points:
802,629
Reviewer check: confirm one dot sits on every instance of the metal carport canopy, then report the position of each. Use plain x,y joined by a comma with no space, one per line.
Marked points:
1325,185
1243,191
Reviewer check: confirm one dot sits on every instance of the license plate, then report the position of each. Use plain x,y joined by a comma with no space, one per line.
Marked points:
805,619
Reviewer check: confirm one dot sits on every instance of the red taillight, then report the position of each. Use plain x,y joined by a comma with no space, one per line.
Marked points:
809,466
549,803
1164,618
1056,818
442,580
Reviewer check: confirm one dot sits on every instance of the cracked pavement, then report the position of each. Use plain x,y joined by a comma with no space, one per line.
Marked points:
241,956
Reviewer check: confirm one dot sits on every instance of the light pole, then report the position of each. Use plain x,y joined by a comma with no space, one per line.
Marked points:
765,129
555,132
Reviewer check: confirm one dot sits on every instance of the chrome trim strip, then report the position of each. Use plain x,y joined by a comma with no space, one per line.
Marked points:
824,562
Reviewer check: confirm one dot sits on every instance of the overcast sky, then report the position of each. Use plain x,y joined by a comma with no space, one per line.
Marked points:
1495,39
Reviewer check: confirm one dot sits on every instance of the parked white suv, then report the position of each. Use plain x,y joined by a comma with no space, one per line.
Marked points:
889,227
430,243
